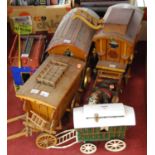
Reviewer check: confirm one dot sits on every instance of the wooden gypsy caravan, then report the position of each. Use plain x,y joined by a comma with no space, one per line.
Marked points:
115,42
100,122
32,50
114,46
73,38
103,122
50,90
53,87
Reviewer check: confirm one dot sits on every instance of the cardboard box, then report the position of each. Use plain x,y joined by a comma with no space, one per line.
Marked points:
44,18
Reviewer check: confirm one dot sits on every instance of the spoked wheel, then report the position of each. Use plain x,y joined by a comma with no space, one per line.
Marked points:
115,145
87,77
75,102
88,148
44,140
115,99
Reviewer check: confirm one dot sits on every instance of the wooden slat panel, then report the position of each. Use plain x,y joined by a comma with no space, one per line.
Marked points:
72,32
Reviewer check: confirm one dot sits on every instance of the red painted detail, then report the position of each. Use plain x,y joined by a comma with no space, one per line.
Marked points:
68,8
24,14
106,91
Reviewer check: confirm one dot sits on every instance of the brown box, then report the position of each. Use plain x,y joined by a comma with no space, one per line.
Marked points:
44,18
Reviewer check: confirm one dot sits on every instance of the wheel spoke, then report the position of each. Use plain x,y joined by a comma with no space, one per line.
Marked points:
118,147
88,148
45,140
115,145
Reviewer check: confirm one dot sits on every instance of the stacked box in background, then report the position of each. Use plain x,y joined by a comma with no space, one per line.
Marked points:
44,18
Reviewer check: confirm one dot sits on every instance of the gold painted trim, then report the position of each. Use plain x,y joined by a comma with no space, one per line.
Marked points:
35,100
111,69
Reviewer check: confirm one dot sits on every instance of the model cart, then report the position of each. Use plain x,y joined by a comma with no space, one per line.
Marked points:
103,122
115,42
49,92
100,122
55,85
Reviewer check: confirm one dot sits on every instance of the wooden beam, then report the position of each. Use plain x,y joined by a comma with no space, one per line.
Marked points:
15,118
17,135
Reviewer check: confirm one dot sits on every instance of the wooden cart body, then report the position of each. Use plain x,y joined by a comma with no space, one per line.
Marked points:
52,87
32,49
72,37
115,43
112,45
102,122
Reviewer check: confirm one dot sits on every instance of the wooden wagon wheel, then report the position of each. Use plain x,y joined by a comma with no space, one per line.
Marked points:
115,99
88,148
44,140
115,145
87,77
75,101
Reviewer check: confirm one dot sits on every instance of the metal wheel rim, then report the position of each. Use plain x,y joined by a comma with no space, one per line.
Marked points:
88,148
87,77
115,99
115,145
45,140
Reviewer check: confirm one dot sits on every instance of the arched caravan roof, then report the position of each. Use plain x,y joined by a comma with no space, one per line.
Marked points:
110,115
72,35
122,14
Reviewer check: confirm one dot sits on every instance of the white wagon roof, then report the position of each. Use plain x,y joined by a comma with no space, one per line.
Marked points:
115,114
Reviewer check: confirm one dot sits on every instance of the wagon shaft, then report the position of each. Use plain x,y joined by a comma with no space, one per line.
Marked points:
65,139
39,122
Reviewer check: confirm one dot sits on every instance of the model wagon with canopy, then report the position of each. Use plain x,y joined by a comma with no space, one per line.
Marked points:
99,122
55,84
103,122
115,42
49,92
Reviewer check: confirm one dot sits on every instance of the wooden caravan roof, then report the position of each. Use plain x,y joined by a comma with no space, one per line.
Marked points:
52,81
75,33
109,115
122,14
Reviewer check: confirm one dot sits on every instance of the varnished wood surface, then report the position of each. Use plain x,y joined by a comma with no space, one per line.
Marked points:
74,35
58,93
111,66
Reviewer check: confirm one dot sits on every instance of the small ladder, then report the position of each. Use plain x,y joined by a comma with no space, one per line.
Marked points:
64,137
37,120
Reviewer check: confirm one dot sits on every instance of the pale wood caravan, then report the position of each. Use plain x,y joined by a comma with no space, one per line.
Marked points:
116,41
51,88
